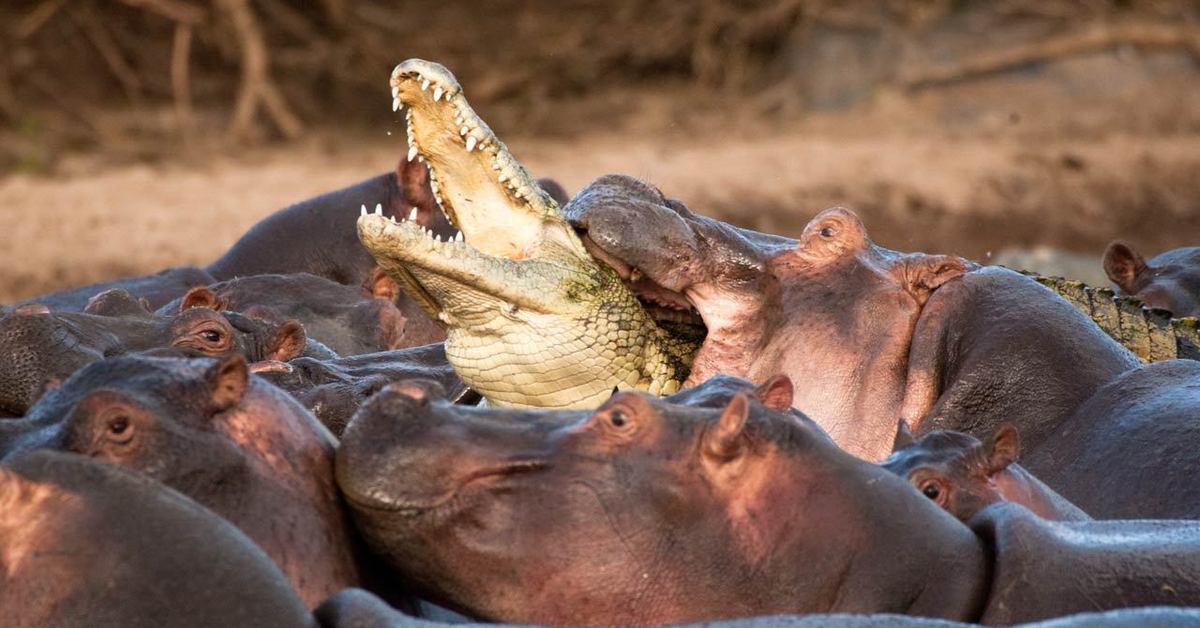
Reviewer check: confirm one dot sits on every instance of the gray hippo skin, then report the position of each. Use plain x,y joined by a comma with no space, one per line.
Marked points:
645,512
728,512
1169,281
333,390
346,319
865,333
964,475
155,289
1130,451
224,438
84,543
41,348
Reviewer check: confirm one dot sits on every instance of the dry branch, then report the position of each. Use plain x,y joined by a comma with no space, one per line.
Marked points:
256,86
181,90
93,27
1094,39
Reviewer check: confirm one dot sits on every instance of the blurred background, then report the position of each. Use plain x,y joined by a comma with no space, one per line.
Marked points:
141,134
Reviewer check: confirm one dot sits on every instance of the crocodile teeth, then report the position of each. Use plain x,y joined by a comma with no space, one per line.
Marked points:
471,143
437,94
395,104
463,131
412,215
458,237
503,177
412,152
363,211
378,209
424,84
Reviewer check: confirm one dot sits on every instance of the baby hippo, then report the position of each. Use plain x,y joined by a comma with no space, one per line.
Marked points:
1169,281
226,439
963,475
40,348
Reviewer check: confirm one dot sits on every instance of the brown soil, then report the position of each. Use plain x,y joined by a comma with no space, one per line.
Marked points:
915,192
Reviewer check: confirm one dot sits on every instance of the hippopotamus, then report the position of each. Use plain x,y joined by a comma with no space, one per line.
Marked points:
333,390
319,235
964,475
1169,281
343,318
41,348
86,543
1129,451
649,512
155,289
867,334
224,438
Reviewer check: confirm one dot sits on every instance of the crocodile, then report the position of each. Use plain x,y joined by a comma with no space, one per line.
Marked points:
1152,334
532,319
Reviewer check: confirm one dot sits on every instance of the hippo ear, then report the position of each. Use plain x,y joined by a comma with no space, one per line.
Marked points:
116,302
1002,448
288,342
723,440
381,286
925,273
1123,265
228,379
904,436
201,297
776,393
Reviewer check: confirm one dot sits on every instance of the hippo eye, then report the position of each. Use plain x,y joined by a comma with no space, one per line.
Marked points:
931,490
211,335
119,429
827,232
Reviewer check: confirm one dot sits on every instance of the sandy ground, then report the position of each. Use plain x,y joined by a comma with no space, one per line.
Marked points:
974,196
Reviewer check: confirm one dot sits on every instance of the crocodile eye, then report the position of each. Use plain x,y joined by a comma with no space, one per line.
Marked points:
827,232
618,419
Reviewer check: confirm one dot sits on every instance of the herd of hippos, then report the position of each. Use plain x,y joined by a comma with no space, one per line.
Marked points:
449,393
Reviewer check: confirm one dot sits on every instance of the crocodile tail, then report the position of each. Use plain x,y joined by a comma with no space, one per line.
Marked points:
1150,333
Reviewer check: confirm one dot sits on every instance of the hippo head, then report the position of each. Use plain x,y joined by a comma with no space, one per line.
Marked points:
202,327
957,471
210,430
1170,281
640,512
832,310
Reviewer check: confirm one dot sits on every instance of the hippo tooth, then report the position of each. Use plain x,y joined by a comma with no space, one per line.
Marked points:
378,209
437,94
363,211
424,84
471,143
412,215
412,152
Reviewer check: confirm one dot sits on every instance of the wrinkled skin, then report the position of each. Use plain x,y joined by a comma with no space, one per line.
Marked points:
1141,431
41,349
1169,281
644,512
86,543
831,310
333,390
1044,569
342,318
867,334
156,289
231,442
963,475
